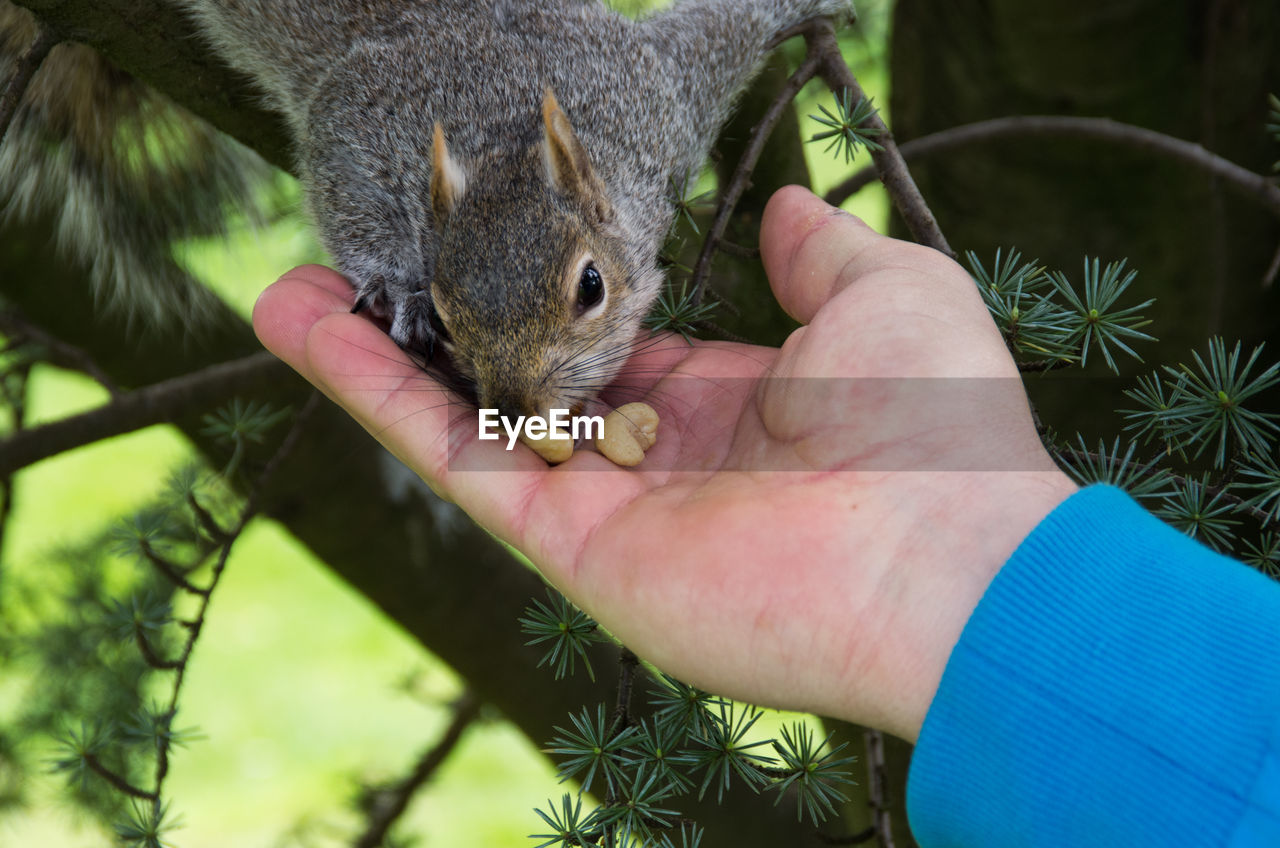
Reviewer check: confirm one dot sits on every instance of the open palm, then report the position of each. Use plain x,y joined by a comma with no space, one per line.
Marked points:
815,523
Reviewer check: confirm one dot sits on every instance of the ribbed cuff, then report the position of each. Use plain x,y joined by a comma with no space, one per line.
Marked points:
1118,684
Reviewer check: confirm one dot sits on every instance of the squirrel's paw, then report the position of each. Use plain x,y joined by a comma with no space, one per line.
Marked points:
413,324
411,316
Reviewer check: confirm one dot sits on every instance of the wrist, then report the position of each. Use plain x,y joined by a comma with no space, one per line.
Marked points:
975,525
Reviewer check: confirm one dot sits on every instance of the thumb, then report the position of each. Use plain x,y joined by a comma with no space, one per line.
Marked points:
812,250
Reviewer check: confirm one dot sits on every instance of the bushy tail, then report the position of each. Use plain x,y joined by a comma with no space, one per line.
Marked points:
121,172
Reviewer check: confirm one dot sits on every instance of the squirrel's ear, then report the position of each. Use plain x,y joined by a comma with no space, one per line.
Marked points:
448,180
568,166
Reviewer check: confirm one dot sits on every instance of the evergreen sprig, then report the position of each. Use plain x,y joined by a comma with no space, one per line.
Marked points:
240,424
154,726
686,203
1018,296
119,755
658,747
1201,511
1209,398
1262,476
143,615
594,747
568,826
813,771
1264,554
690,837
724,750
637,815
846,130
569,630
1142,480
1157,409
76,746
686,707
679,312
1097,321
145,826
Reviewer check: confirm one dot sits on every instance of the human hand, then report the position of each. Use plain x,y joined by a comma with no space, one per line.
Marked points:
841,523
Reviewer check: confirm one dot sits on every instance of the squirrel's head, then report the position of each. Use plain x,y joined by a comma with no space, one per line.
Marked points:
535,285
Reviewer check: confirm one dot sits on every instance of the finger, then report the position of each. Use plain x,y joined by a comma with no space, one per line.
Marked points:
812,251
305,319
544,511
804,244
286,311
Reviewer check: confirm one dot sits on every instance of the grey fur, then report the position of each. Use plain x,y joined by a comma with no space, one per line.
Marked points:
363,83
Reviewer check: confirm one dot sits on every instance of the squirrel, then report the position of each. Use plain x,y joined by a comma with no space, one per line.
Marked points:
494,176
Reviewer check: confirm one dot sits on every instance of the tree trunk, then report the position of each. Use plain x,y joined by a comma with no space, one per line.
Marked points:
1199,71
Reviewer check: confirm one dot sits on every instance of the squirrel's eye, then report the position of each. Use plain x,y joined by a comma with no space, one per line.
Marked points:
590,288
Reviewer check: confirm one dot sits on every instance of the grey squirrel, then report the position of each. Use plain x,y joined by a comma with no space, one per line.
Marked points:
494,176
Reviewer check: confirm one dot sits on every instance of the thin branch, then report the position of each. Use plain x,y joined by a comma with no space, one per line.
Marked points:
14,386
171,570
877,779
389,808
149,654
23,70
628,662
865,835
196,624
1273,270
1040,366
888,162
155,404
739,250
6,509
96,766
1241,180
207,521
742,173
60,353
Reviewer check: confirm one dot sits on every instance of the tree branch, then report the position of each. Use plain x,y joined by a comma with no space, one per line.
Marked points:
1269,277
170,570
149,654
387,810
159,45
888,162
155,404
24,69
742,173
194,627
877,778
1241,180
58,352
96,766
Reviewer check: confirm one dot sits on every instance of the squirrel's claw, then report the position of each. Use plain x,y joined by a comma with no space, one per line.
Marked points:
415,325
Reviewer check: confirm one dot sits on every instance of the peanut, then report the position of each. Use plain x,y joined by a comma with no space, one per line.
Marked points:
629,431
554,449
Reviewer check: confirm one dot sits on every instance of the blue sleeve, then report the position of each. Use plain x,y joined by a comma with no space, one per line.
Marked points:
1118,685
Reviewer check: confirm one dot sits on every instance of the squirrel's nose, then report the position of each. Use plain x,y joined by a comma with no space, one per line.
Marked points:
509,405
